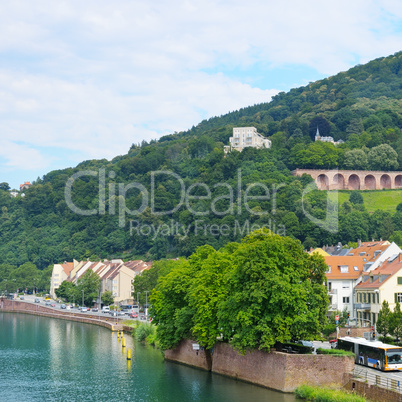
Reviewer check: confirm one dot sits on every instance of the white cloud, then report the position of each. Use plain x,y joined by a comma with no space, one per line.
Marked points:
93,77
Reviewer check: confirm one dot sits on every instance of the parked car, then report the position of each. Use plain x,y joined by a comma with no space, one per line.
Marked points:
105,309
306,343
47,304
52,305
63,306
84,309
37,301
95,310
21,297
134,315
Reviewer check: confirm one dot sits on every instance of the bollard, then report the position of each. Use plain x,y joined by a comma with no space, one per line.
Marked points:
128,354
123,342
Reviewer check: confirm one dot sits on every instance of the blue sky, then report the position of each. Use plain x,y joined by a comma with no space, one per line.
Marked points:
85,80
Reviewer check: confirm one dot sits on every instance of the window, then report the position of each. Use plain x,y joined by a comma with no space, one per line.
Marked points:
398,297
368,298
399,280
345,300
345,285
344,269
329,286
356,268
378,298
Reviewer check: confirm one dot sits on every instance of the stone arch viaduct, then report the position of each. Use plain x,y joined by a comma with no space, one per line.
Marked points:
353,179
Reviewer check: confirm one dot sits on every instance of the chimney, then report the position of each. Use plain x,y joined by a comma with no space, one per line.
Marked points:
399,257
359,242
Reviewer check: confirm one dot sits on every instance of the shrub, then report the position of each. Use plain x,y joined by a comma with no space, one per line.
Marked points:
143,331
335,352
326,394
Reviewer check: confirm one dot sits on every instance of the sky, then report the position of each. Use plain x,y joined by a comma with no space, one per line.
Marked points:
85,80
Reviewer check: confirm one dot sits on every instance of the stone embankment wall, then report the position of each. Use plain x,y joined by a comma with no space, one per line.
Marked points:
372,392
185,354
276,370
36,309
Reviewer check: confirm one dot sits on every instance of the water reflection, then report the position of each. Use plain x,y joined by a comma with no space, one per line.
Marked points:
50,359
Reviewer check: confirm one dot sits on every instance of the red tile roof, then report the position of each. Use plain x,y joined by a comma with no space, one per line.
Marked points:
335,262
375,278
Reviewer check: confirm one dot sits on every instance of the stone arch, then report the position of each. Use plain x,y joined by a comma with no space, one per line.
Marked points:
354,182
322,182
398,181
385,181
369,182
339,181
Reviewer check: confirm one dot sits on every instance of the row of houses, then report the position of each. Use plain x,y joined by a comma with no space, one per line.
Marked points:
360,279
116,276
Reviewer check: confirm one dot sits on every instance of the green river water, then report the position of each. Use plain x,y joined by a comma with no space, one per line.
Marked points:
45,359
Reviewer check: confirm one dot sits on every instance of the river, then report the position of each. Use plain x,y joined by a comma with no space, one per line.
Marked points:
46,359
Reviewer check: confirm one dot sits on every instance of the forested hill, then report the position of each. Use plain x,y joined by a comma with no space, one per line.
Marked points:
361,106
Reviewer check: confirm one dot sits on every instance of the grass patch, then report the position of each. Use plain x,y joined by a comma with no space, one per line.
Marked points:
385,200
326,394
334,352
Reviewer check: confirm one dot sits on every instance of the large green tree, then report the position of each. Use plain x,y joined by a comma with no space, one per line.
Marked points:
275,294
383,157
146,282
254,294
88,286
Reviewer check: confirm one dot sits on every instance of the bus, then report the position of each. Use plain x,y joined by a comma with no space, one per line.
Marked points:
378,355
130,308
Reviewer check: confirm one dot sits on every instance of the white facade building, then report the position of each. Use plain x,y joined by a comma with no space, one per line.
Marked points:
244,137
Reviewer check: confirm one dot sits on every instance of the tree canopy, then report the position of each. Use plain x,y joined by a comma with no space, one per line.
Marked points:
254,294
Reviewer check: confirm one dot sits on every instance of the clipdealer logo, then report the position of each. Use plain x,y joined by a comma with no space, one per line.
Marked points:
236,199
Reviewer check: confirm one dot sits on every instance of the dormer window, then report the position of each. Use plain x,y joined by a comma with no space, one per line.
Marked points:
356,268
344,269
328,271
362,253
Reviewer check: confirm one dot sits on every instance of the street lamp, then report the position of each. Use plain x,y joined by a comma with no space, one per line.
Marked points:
82,297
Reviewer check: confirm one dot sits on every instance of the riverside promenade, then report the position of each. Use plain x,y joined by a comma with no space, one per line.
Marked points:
16,306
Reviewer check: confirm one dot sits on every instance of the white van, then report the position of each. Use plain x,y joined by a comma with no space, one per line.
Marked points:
105,309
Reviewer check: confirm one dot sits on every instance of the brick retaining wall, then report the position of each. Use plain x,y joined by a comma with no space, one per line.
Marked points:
280,371
185,354
372,392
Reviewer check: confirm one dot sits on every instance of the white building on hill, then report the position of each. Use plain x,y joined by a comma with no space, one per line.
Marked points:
244,137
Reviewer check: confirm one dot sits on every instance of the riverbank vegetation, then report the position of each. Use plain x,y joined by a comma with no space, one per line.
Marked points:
145,332
252,294
321,394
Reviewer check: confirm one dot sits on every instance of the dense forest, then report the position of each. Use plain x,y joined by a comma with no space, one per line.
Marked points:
124,206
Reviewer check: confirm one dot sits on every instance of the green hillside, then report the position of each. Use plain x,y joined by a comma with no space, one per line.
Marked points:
384,200
361,106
